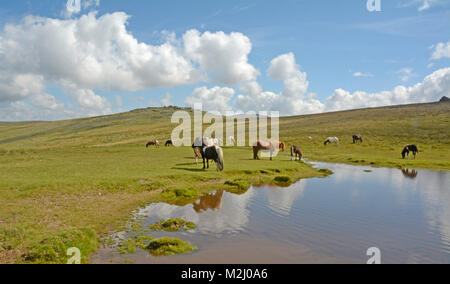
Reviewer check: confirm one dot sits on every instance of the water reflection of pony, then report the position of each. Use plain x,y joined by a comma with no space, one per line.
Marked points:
356,138
412,174
153,143
210,201
296,151
264,146
331,140
214,153
408,149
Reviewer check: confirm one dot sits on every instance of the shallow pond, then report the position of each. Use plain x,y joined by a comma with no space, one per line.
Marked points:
406,214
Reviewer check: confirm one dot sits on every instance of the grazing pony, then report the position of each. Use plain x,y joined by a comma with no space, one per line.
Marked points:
214,153
281,146
356,138
410,148
169,143
296,151
331,140
153,143
265,146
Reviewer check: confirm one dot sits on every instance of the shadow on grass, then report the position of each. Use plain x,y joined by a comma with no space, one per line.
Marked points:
187,164
188,169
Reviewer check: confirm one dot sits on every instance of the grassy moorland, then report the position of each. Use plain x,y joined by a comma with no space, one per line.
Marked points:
64,184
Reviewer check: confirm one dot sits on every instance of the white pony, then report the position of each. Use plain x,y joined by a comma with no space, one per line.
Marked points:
217,142
331,140
205,141
231,140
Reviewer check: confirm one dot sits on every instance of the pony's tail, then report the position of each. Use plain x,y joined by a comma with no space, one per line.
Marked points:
220,164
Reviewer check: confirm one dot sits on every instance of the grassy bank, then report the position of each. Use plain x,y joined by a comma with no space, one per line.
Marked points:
66,183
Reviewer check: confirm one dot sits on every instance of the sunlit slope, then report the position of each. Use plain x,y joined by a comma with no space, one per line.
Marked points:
120,129
418,122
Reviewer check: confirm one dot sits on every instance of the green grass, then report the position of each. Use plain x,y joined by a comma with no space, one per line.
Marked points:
173,225
169,246
70,183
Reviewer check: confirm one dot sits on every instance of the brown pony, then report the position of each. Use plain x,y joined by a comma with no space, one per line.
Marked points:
296,151
153,143
267,146
281,146
197,153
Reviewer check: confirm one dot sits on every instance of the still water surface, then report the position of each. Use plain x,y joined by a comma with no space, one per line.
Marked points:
406,214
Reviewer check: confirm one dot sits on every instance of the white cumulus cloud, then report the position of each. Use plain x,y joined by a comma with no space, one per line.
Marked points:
292,100
223,56
213,99
441,50
431,89
90,53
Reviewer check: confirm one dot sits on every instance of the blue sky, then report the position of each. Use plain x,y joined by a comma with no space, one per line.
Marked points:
331,40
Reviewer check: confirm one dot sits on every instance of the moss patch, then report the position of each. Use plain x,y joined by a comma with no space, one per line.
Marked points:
170,246
283,179
327,172
240,184
173,225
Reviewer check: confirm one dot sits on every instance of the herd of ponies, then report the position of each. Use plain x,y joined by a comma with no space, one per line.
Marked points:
208,149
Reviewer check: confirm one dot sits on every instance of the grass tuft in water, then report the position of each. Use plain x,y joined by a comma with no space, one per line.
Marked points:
240,184
170,246
327,172
173,225
283,179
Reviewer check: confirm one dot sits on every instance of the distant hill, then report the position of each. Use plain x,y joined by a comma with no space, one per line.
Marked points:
417,122
444,99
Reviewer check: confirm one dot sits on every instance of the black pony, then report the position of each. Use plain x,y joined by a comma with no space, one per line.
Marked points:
169,143
410,148
214,153
356,138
